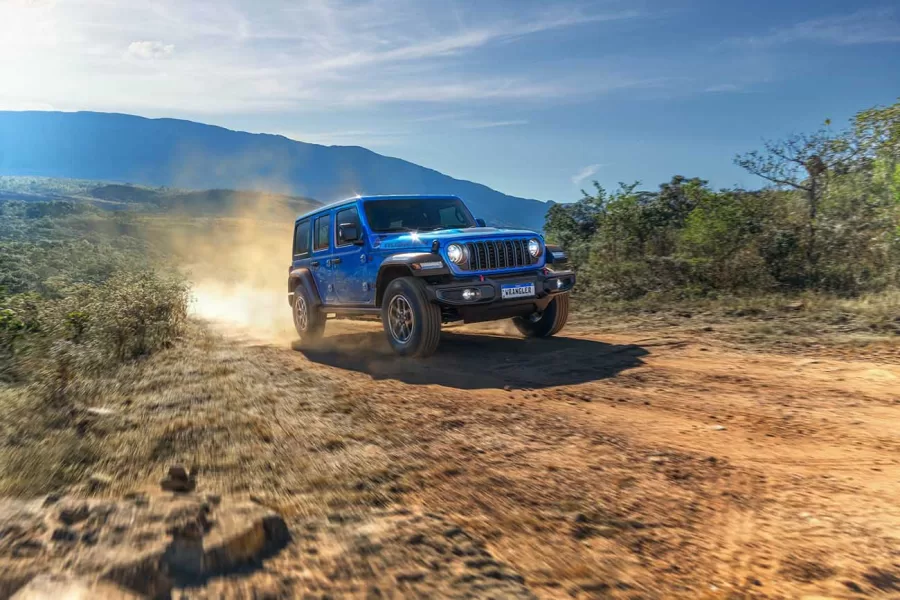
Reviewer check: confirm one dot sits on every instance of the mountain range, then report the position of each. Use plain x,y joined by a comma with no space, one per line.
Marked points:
184,154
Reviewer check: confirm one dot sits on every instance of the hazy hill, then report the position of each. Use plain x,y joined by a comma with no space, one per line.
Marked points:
118,196
171,152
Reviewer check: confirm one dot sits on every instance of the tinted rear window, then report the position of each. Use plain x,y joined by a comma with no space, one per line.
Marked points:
301,239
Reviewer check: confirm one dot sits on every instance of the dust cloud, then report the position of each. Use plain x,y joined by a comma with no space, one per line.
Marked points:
237,263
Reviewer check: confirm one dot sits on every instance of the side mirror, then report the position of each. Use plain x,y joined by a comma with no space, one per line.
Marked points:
348,233
480,223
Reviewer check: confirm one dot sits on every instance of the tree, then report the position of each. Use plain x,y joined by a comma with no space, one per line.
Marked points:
803,162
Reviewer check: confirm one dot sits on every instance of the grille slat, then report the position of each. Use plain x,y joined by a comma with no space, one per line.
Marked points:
491,255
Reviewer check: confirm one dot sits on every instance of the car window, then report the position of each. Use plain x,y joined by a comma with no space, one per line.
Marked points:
322,230
301,238
417,214
347,215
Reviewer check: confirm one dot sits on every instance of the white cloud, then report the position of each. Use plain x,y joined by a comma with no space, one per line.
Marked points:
241,56
587,172
862,27
492,124
149,50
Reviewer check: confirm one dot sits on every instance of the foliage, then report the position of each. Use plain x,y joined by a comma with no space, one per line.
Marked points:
79,294
830,222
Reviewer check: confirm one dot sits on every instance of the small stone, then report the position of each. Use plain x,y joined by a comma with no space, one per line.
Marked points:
416,538
52,498
718,428
453,532
657,459
507,388
74,514
63,534
410,576
101,411
178,472
179,480
177,485
99,481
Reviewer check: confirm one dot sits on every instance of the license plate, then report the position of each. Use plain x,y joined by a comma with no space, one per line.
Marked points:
517,290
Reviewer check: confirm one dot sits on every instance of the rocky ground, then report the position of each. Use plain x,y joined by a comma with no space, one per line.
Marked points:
665,460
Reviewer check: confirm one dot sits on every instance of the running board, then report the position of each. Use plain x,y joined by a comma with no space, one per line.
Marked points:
351,311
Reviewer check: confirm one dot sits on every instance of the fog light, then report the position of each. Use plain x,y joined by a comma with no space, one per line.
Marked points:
470,294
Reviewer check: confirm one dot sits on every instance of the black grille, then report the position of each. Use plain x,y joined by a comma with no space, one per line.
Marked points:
500,254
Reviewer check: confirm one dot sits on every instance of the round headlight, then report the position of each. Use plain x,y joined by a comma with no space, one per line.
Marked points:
534,247
456,253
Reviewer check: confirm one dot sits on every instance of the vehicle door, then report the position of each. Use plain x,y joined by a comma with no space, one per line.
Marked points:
349,262
320,258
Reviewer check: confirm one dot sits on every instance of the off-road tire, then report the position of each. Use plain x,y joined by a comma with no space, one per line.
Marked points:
551,321
315,319
425,331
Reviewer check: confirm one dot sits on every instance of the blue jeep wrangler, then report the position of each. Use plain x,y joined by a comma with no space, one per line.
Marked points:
416,262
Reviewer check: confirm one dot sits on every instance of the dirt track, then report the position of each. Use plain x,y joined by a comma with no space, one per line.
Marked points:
610,465
667,462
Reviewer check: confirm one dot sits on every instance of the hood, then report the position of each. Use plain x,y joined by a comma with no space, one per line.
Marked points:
420,240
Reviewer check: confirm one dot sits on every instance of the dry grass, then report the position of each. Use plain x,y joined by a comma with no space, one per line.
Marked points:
222,406
775,322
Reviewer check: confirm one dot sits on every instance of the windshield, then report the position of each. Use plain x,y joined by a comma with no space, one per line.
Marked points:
417,214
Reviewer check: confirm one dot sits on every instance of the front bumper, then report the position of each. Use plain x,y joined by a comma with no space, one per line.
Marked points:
490,304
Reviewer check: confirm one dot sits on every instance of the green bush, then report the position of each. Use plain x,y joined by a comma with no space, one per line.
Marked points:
830,222
53,341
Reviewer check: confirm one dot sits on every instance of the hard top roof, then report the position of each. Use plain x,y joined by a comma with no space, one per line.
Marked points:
354,199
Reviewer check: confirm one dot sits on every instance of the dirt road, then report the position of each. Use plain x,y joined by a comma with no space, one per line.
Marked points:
657,464
613,465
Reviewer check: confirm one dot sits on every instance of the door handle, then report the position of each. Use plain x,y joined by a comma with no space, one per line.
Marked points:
335,261
314,263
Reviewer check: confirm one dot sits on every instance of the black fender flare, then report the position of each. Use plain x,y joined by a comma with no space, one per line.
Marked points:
302,276
409,264
555,255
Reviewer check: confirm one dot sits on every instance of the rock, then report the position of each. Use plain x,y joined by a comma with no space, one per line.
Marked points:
99,481
507,388
179,480
101,411
63,534
718,428
70,587
146,550
69,515
410,576
52,498
178,472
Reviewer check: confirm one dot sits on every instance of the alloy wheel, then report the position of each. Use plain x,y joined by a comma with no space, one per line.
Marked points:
400,319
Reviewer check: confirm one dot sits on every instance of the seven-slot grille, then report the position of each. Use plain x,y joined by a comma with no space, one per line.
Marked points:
499,254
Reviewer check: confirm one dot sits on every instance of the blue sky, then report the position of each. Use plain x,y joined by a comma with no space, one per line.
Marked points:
534,98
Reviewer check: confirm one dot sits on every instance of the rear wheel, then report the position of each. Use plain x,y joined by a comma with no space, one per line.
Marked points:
546,323
308,320
411,322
